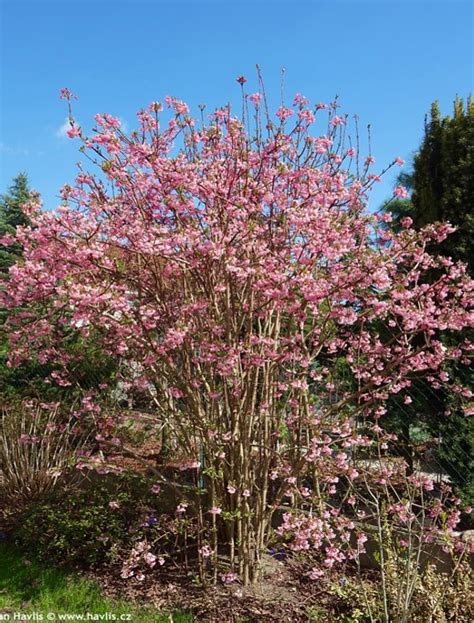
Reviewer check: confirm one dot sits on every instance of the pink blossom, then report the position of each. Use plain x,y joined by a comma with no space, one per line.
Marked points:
150,559
230,270
181,508
400,192
73,131
283,113
255,98
300,100
335,121
306,115
66,94
205,551
316,573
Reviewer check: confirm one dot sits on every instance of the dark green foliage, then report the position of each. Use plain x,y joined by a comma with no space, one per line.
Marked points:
442,180
11,217
82,528
442,186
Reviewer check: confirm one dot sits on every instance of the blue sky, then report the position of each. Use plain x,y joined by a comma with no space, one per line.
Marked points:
387,60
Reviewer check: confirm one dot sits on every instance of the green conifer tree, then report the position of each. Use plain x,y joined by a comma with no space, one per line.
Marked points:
11,217
442,189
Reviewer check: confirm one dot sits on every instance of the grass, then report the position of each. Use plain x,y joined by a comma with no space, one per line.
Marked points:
28,587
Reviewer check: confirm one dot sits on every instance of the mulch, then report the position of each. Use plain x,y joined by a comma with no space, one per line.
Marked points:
282,595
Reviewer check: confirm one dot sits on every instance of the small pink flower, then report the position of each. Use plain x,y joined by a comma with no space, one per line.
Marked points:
28,439
114,504
150,559
175,392
231,489
206,551
215,510
306,115
300,100
73,131
283,113
241,80
399,161
407,400
229,578
66,94
255,98
246,493
315,573
400,192
156,488
406,222
335,121
7,240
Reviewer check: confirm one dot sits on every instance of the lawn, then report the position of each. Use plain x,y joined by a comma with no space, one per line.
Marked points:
27,587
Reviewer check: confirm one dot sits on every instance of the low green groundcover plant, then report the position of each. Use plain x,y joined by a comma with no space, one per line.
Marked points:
87,527
26,586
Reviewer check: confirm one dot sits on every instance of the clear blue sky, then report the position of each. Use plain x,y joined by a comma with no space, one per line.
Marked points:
386,59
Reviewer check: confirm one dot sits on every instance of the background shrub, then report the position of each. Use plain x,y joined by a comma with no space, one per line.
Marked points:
89,526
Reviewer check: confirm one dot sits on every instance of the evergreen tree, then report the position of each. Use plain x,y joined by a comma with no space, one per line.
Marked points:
442,189
442,180
11,217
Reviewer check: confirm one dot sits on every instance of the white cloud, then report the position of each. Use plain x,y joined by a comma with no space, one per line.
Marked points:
61,131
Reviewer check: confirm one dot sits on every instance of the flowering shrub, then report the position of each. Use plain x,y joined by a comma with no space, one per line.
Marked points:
244,286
